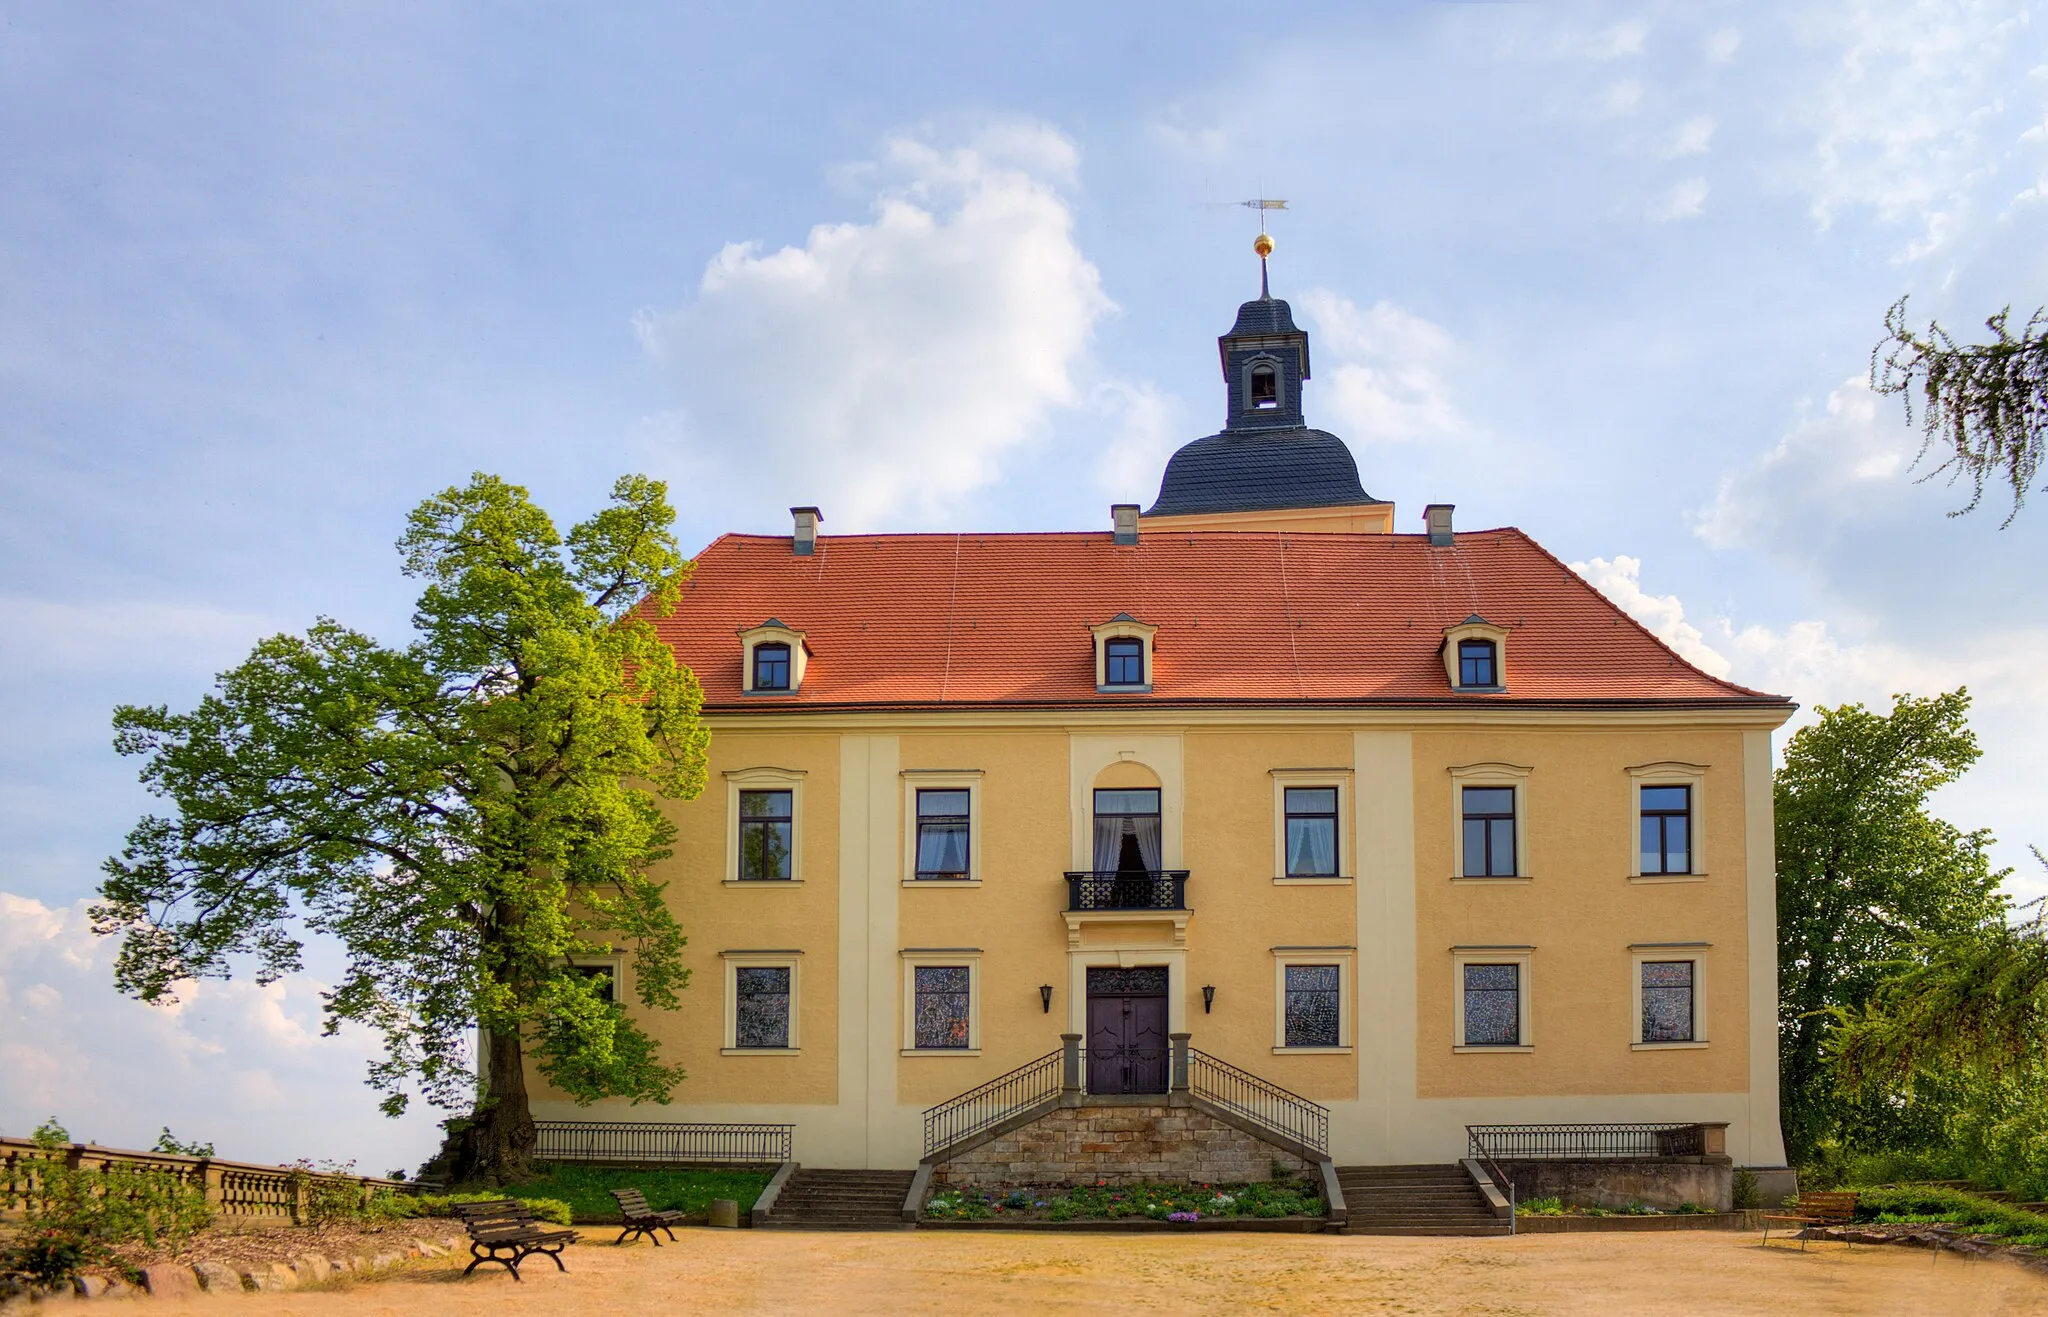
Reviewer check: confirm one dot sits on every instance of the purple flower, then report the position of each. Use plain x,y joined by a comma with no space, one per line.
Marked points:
1183,1216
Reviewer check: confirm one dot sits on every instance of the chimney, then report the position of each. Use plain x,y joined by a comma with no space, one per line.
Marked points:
806,542
1437,517
1124,518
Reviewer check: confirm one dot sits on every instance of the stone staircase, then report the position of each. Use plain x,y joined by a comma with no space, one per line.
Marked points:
1416,1200
817,1199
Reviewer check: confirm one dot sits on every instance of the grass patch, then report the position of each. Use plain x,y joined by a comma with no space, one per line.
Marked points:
587,1189
1928,1202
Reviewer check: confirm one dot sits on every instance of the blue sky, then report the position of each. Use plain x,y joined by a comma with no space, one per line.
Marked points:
1611,273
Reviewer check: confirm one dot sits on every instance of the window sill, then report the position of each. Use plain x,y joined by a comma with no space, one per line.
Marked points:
767,693
1667,877
1477,1049
1312,880
763,882
1480,690
759,1051
1312,1051
941,1051
1105,689
942,882
1667,1047
1497,878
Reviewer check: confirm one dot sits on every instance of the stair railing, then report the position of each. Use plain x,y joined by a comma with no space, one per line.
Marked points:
1258,1100
1483,1154
988,1105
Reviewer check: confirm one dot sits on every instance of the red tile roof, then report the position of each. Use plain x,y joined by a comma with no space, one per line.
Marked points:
1244,618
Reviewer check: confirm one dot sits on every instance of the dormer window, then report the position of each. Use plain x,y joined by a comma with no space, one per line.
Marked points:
771,667
1123,663
1123,656
1476,655
772,659
1265,390
1477,663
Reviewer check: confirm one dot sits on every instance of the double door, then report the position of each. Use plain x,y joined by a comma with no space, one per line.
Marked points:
1127,1043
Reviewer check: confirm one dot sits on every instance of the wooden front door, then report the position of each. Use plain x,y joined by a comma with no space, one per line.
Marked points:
1127,1043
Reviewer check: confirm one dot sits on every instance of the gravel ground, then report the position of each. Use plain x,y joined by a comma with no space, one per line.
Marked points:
761,1271
260,1246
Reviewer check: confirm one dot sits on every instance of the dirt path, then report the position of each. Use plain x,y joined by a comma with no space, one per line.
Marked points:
930,1272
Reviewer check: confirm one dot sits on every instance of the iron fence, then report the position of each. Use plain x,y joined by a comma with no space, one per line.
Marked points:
1522,1143
1272,1106
653,1141
992,1103
1130,889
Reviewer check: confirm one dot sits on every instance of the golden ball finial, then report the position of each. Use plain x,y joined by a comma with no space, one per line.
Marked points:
1263,245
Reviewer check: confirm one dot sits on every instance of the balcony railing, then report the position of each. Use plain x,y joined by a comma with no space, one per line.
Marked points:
1128,889
1585,1143
651,1141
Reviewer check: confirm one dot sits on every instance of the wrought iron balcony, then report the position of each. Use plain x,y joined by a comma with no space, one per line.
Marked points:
1128,889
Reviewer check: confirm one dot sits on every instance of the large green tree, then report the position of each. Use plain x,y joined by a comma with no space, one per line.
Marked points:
1863,871
465,814
1983,406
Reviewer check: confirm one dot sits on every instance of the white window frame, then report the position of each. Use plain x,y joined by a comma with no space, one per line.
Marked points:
911,959
1476,627
1696,952
1344,958
1490,775
1525,957
735,960
764,779
942,779
1670,773
1123,627
1347,845
615,962
773,632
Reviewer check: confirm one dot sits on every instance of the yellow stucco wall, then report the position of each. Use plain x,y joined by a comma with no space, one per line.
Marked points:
1580,912
1398,1090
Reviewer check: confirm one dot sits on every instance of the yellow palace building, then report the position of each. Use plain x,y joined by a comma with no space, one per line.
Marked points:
1246,830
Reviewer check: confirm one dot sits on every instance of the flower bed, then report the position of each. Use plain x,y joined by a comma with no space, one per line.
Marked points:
1180,1204
1558,1207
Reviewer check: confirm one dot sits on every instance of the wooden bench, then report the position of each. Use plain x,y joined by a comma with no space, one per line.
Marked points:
505,1231
640,1219
1816,1209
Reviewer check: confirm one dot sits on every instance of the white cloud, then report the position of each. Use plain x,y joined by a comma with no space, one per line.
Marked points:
1620,579
1829,468
232,1063
1149,426
1693,137
1388,381
1900,122
1618,42
1621,97
1685,200
1721,47
884,369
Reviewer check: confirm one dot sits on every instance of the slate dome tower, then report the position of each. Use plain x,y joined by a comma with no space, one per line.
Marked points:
1266,469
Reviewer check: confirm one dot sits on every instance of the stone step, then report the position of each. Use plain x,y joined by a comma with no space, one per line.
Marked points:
1500,1229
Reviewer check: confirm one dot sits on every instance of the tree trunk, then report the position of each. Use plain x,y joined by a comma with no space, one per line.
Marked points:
497,1147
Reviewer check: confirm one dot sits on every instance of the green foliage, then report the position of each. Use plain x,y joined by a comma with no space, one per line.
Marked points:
1541,1207
1864,870
547,1209
1743,1193
169,1142
587,1189
1111,1202
465,814
1987,404
1920,1202
72,1216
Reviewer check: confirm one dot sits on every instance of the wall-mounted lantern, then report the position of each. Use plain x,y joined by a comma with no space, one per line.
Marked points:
1045,998
1208,997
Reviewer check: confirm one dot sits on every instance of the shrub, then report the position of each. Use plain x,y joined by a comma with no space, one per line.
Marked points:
1542,1207
72,1216
1744,1193
547,1209
1930,1202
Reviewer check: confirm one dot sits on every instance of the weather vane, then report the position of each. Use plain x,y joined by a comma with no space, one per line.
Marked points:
1263,244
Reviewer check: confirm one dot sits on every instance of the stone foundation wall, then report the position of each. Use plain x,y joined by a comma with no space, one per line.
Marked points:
1706,1182
1120,1144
